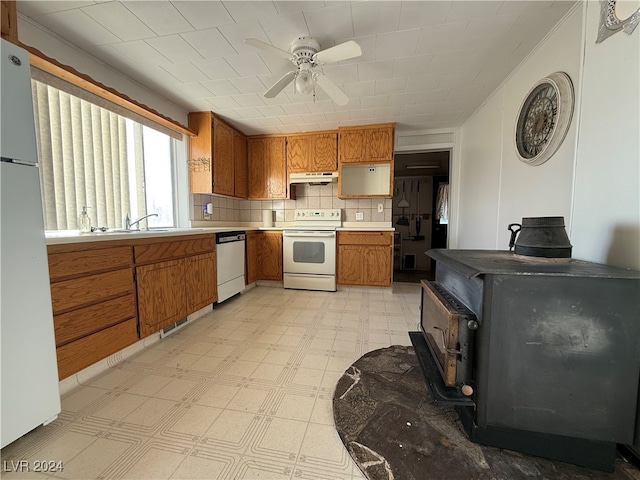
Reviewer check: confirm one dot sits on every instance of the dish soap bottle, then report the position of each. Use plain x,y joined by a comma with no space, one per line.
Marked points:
84,222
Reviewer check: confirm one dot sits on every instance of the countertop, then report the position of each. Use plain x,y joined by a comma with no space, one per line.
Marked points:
60,237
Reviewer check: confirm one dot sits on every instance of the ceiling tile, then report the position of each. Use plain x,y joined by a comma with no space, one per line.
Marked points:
203,15
34,8
287,7
192,90
375,70
237,33
283,30
221,88
486,32
340,74
216,68
209,43
397,44
421,14
360,89
372,18
119,21
523,6
186,72
250,11
374,101
161,17
175,48
389,86
291,119
429,81
140,51
368,47
79,28
223,103
271,110
330,23
409,66
466,10
247,64
248,112
296,109
249,100
249,84
440,38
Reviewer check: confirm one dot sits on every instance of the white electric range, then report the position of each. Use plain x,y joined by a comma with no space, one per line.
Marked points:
309,250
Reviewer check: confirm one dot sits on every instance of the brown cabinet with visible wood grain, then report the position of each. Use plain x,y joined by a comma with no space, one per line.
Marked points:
94,303
267,168
263,255
216,155
365,258
174,279
366,143
312,152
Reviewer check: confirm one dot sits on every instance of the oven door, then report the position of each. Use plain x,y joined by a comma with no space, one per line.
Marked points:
448,327
311,252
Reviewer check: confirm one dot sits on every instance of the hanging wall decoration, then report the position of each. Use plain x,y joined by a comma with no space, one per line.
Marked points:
544,118
611,24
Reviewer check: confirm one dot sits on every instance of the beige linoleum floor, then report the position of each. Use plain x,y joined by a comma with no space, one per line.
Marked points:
242,393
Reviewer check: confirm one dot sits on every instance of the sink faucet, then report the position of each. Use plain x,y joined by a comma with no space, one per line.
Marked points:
128,223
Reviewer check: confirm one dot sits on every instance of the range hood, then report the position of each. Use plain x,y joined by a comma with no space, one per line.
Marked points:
314,178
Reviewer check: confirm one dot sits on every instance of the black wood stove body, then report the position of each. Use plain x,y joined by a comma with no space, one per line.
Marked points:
539,355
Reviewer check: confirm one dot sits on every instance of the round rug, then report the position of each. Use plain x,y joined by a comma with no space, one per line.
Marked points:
387,422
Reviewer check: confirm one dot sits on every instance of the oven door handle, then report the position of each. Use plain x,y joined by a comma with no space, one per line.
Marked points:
310,234
444,343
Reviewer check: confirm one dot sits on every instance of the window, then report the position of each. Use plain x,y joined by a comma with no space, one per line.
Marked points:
94,157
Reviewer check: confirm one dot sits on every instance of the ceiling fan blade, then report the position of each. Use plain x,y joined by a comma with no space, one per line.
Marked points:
340,52
254,42
277,87
332,90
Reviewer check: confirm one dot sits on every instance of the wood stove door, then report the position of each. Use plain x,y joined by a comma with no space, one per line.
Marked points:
448,327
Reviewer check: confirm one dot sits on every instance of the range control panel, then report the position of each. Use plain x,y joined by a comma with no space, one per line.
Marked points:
320,215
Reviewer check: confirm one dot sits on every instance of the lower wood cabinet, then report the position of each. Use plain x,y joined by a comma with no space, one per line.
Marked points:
365,258
94,303
180,279
263,255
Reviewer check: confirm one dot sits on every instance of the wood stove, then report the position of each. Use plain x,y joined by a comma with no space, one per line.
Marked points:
539,355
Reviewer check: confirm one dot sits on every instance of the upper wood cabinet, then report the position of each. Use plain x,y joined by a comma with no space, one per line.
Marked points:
267,167
240,164
366,143
312,152
214,156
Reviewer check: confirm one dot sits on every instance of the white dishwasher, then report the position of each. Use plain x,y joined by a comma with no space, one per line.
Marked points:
230,263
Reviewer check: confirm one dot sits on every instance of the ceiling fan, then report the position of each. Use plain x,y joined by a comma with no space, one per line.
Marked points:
307,58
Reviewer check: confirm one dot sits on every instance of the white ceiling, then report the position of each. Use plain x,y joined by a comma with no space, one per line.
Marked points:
423,65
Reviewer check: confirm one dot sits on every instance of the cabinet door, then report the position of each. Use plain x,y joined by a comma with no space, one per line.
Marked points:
352,146
240,164
377,261
252,259
256,168
271,255
223,162
161,295
201,153
325,152
350,267
379,144
276,168
298,154
201,288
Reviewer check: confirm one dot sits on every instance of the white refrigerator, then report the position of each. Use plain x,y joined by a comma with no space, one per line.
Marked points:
29,394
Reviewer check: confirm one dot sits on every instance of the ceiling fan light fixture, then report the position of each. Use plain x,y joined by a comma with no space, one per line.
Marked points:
304,82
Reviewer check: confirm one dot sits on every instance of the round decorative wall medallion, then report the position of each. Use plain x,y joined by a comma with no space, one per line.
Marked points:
544,118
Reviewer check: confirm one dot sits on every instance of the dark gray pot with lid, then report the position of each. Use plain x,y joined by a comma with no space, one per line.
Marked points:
540,237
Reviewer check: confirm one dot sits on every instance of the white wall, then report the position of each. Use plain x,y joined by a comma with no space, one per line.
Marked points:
496,188
593,180
606,211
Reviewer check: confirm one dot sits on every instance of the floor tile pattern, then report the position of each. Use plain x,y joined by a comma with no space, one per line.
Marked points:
244,392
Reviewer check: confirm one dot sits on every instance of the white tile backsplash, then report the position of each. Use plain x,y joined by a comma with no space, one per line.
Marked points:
307,196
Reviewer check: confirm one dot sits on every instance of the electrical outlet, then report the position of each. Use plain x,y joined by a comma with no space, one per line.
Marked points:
380,208
359,216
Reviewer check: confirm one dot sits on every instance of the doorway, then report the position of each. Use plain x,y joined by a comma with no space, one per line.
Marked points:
417,180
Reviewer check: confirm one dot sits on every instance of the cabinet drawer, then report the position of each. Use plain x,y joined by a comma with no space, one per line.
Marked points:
156,252
88,261
91,289
77,355
85,321
365,238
